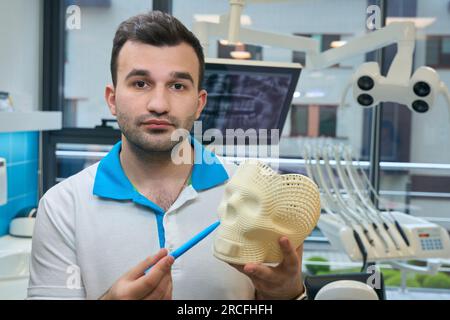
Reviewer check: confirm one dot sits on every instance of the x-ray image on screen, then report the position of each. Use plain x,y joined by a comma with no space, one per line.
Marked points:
247,97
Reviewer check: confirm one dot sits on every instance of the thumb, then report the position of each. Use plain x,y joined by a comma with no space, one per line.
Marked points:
139,270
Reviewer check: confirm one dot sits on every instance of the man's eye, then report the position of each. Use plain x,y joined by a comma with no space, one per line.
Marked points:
178,86
140,84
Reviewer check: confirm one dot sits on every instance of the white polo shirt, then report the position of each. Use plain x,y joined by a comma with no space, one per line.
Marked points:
94,226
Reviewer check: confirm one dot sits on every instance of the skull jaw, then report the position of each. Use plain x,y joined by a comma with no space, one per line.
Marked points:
227,250
240,253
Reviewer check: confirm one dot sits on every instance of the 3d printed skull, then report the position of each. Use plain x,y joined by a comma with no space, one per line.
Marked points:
258,207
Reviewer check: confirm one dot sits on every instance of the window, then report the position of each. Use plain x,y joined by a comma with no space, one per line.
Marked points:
438,51
87,58
313,120
414,168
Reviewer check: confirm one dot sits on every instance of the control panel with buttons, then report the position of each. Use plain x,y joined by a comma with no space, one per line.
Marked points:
430,239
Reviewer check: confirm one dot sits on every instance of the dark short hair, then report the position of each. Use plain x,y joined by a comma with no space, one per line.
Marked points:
155,28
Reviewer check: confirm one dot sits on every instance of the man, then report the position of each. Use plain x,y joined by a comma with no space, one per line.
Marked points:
95,229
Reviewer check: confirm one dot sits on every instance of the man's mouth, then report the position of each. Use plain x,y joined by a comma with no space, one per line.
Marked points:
157,124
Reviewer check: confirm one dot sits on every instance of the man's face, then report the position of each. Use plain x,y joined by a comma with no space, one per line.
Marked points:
156,93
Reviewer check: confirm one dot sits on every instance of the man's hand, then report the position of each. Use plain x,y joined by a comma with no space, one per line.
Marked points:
136,285
281,282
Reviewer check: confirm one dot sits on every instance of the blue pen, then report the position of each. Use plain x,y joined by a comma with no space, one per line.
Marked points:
192,242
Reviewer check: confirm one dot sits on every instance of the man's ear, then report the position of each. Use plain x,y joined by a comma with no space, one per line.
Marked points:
110,97
202,98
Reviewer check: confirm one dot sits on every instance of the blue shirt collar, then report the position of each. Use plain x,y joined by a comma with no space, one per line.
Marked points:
111,181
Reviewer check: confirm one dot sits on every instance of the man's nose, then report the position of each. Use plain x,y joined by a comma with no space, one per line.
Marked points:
233,201
159,100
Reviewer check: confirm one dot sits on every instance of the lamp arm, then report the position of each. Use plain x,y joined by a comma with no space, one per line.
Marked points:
203,30
400,33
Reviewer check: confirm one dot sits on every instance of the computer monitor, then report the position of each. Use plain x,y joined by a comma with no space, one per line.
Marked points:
245,94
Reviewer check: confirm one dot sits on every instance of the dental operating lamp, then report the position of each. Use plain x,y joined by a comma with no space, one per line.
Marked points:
417,91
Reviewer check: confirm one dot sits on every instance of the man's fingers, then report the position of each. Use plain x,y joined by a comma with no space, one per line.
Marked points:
163,291
299,252
139,270
254,271
147,283
290,257
260,272
169,291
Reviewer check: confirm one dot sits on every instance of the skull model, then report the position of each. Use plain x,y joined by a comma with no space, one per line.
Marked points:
258,207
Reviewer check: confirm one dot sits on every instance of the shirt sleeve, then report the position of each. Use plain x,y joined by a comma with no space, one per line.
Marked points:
54,273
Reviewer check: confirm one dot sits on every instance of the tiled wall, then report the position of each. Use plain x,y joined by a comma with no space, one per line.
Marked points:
21,151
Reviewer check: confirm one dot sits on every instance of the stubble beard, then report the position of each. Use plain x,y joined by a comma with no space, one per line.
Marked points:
151,141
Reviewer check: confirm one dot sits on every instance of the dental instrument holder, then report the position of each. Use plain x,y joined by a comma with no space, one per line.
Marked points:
425,239
347,156
192,242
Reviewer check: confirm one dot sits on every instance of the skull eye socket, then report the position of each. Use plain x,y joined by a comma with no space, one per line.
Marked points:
250,204
238,200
